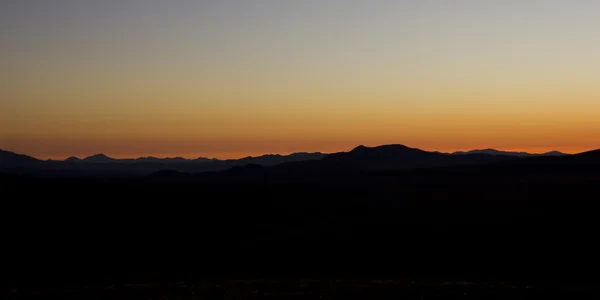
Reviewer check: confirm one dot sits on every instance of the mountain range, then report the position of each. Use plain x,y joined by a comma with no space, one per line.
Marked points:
101,164
390,209
386,157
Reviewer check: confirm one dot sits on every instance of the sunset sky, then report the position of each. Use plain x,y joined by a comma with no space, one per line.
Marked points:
224,78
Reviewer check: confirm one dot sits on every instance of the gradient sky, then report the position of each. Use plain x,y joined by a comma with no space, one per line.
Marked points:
228,78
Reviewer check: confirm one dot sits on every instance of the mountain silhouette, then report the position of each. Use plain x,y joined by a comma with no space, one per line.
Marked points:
204,159
73,159
275,159
396,157
552,153
10,160
99,158
101,164
590,154
361,158
509,153
342,166
151,159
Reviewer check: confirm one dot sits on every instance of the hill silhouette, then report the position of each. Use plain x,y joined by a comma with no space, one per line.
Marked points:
98,158
392,160
73,159
594,154
394,157
509,153
10,161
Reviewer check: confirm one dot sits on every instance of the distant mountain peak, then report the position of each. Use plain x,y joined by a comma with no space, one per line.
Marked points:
73,159
359,148
381,157
382,147
98,158
557,153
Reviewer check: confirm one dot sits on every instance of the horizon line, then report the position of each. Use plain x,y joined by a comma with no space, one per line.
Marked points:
189,156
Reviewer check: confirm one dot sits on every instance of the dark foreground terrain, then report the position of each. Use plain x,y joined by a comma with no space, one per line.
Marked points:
457,227
518,220
314,289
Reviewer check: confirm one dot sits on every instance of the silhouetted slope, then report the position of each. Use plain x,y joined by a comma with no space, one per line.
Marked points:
275,159
508,153
99,158
338,166
10,161
167,160
594,154
397,157
578,164
384,164
73,159
552,153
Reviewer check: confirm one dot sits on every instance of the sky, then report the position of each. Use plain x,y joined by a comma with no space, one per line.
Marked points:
226,79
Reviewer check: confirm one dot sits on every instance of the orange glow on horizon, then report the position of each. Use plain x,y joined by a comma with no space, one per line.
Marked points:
203,78
286,151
